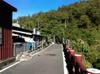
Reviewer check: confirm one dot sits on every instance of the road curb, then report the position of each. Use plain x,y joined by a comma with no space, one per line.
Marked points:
64,64
22,61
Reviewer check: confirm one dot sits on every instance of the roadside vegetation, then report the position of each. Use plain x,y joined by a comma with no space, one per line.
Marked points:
79,22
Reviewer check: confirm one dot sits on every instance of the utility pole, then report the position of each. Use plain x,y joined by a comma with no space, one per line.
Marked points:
65,23
38,24
54,38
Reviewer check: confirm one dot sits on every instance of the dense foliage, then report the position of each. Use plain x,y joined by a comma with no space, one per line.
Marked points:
79,22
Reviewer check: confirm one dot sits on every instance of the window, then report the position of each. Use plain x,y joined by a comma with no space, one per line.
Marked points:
0,35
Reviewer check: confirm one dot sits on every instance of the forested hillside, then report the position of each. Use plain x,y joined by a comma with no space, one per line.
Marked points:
79,22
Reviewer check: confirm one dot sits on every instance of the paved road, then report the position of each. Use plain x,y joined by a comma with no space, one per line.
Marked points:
49,61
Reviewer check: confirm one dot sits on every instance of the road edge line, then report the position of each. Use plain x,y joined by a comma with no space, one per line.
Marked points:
64,64
42,50
22,61
10,66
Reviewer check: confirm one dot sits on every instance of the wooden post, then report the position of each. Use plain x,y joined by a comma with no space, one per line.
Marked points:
70,61
77,60
79,66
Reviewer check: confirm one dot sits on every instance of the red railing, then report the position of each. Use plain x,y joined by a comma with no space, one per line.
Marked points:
75,63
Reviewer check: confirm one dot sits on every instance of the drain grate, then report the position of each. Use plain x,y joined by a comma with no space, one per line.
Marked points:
51,54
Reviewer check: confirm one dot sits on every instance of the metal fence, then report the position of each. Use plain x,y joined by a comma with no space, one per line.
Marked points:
22,47
27,46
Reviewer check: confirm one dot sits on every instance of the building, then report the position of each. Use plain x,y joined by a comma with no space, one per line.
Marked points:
25,40
6,50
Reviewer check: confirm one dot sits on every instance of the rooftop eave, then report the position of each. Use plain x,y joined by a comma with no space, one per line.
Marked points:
5,4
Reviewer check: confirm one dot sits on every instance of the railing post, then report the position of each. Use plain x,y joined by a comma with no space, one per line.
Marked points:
70,61
79,67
